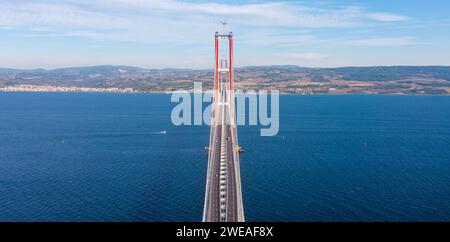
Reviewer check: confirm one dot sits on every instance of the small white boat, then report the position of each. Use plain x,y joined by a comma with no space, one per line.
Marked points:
162,132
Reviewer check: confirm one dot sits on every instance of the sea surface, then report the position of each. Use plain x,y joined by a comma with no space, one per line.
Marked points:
101,157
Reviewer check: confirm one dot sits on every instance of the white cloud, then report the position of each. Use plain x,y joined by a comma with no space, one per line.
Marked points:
167,20
304,56
387,17
32,14
401,41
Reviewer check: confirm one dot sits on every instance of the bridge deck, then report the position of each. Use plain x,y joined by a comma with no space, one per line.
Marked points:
223,169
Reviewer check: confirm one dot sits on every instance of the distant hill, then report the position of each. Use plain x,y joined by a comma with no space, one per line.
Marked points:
286,78
105,69
9,71
375,73
391,73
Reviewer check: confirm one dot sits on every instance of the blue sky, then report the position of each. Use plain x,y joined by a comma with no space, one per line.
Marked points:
176,33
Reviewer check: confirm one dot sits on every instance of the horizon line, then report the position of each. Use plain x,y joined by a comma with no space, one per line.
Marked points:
211,68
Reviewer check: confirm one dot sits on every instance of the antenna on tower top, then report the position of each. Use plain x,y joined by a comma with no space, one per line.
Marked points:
224,23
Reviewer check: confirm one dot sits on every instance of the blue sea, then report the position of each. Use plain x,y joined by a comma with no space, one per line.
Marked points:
101,157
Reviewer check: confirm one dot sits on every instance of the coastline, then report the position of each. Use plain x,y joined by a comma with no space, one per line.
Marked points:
281,94
127,90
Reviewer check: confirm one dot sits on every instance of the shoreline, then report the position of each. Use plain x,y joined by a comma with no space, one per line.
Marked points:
129,90
281,94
